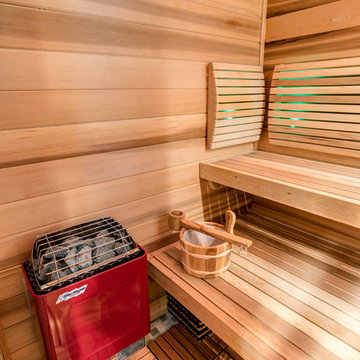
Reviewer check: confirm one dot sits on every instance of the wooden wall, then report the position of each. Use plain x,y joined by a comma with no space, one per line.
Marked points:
310,30
103,111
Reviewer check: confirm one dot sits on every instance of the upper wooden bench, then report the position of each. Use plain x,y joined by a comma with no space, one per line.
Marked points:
313,106
323,189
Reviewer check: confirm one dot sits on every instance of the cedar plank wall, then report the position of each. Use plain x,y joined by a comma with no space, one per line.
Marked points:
298,30
103,111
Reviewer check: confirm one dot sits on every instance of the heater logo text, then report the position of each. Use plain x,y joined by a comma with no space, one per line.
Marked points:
70,294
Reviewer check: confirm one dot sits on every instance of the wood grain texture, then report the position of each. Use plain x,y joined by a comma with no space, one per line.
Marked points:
337,132
279,7
327,46
198,17
313,154
332,16
96,95
72,203
263,32
231,120
21,334
297,325
321,191
158,307
329,33
49,70
28,181
143,354
75,33
47,143
33,351
84,106
319,226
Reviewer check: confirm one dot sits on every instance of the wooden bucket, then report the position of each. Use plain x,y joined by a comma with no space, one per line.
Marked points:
204,256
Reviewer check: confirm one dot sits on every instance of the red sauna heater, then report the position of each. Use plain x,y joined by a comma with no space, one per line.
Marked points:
90,288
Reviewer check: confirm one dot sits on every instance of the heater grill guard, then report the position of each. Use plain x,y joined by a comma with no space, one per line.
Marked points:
95,310
66,256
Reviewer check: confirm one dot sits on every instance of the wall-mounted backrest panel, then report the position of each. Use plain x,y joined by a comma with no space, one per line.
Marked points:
316,106
235,105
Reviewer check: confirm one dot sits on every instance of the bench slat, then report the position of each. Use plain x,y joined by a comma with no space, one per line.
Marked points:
234,93
241,340
263,331
283,292
318,93
322,189
319,180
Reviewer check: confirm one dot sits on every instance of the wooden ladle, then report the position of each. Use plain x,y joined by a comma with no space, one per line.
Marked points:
177,220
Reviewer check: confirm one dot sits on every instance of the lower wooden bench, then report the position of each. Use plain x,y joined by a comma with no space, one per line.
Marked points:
283,300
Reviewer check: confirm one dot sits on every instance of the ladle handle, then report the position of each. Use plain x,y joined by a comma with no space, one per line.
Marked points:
177,220
225,236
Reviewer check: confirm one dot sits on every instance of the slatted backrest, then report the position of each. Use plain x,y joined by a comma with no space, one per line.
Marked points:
236,104
316,106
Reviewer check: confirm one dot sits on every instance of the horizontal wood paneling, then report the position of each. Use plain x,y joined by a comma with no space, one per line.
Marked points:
75,33
72,203
239,20
46,143
84,106
342,43
103,112
33,351
248,7
279,7
15,310
11,282
22,334
127,9
49,70
332,16
330,27
26,181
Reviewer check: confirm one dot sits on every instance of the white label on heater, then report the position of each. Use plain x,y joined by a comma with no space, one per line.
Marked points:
70,294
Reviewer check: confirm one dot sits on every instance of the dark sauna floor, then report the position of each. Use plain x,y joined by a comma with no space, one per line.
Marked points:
178,344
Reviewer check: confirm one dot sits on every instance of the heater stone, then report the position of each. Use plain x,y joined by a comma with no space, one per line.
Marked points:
70,259
58,251
83,256
45,269
60,274
104,244
121,248
76,252
102,254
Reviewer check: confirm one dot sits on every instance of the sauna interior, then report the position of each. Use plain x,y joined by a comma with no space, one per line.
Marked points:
129,109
